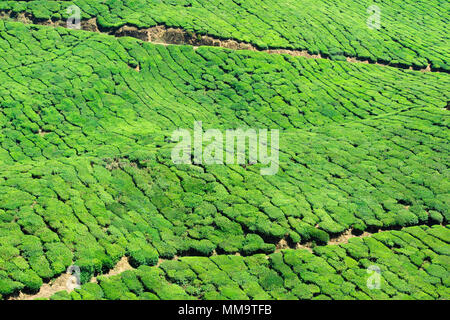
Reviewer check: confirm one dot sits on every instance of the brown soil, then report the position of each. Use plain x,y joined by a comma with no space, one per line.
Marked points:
47,289
306,246
42,132
90,25
24,18
60,283
298,53
343,238
282,244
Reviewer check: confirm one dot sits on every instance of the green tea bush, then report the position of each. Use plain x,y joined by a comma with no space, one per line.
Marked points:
87,176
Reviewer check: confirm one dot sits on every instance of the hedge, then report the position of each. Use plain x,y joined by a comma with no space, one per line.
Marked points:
87,177
326,273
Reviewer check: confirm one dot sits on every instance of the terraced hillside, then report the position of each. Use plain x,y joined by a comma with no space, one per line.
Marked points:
412,33
336,272
86,175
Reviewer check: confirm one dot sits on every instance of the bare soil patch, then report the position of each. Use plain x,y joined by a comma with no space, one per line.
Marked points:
47,289
344,237
60,283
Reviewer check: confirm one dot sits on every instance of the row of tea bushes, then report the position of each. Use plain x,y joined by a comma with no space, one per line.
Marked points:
409,264
86,175
410,33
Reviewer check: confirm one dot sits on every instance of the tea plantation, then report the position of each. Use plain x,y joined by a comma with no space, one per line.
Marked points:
411,33
86,175
411,268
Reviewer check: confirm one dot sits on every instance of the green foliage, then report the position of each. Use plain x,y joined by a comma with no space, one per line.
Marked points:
8,287
87,178
254,244
288,25
113,288
326,273
142,255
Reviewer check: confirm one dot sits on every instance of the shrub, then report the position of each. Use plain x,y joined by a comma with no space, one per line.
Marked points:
61,295
232,292
141,253
148,296
203,247
8,286
436,217
88,267
29,278
254,244
132,282
91,291
271,280
113,287
405,218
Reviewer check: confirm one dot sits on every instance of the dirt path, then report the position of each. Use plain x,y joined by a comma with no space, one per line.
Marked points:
121,266
338,240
